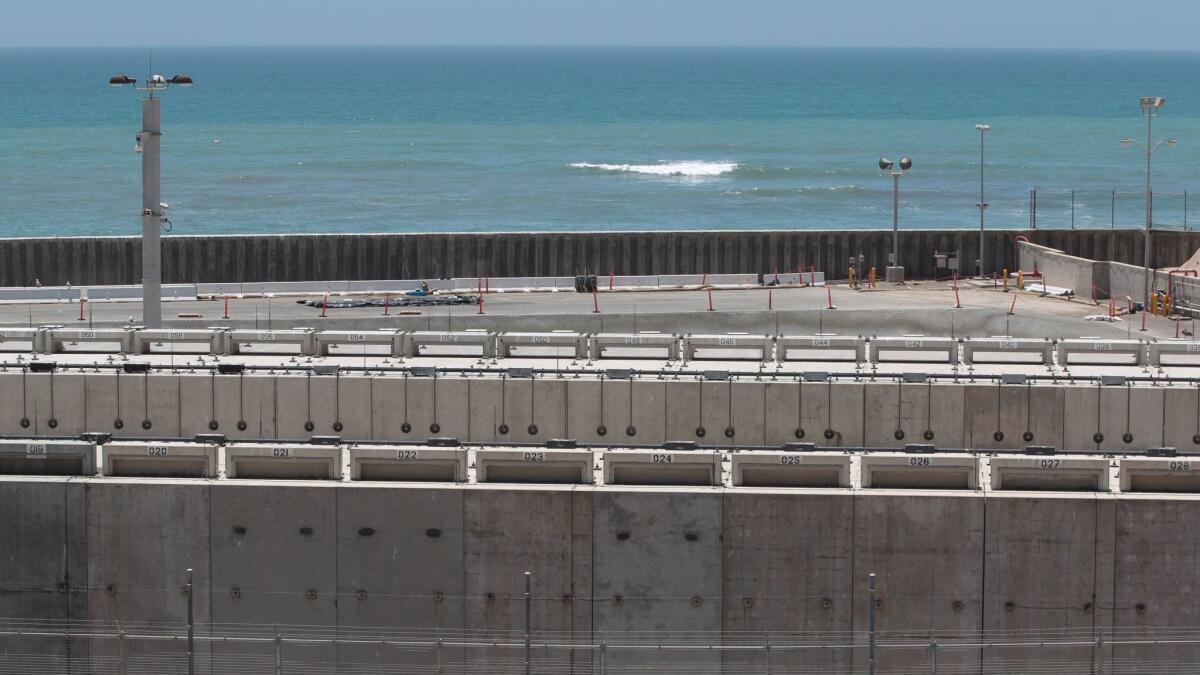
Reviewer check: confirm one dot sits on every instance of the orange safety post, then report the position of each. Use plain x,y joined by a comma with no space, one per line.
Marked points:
704,279
829,296
595,303
387,302
1012,308
1005,279
324,304
226,308
871,278
957,302
81,308
610,280
481,303
710,300
1143,319
770,300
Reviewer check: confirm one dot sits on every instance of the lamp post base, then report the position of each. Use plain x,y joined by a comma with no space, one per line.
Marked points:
894,275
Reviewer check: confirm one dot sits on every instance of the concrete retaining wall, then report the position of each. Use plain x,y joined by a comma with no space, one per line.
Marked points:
654,561
307,257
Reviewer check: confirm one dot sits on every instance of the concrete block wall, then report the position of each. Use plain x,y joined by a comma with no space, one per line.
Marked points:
605,561
645,411
232,259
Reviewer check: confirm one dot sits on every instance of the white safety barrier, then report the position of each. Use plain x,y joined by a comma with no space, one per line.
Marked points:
179,341
556,344
1007,350
820,348
1175,353
382,342
22,340
1099,350
450,343
914,348
293,341
635,345
734,346
117,340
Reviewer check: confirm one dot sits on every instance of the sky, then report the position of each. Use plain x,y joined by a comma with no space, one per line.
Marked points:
1072,24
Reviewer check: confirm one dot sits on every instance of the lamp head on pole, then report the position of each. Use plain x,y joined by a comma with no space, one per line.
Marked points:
905,163
1172,141
885,164
1151,104
983,127
1126,141
120,80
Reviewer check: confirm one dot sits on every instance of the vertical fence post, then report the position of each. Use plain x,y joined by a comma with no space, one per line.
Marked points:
603,663
1112,210
768,648
1100,653
278,652
1072,208
1185,210
528,598
191,647
871,624
933,657
121,650
439,652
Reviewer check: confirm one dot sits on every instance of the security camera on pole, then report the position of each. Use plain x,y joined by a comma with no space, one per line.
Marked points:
148,144
895,271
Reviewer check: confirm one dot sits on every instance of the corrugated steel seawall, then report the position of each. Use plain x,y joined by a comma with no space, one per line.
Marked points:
306,257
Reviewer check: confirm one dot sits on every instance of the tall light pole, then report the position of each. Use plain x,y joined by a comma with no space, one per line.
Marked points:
895,271
983,129
1150,106
148,144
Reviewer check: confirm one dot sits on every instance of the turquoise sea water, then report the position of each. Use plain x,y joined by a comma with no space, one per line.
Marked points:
485,139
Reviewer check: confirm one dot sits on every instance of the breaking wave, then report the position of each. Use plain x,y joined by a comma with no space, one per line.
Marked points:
689,169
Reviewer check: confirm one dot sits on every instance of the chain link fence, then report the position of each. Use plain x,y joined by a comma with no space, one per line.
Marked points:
1092,209
29,647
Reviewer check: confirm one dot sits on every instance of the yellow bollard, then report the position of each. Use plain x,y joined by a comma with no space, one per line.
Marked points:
1020,280
1154,304
1005,279
872,278
851,277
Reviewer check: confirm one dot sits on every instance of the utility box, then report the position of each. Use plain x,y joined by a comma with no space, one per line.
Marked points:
1160,474
534,465
408,463
791,469
47,458
282,461
171,460
920,471
665,467
1050,472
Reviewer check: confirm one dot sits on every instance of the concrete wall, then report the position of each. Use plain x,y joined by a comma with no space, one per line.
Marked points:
606,562
644,411
307,257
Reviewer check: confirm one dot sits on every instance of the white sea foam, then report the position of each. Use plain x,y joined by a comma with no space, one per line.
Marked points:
696,168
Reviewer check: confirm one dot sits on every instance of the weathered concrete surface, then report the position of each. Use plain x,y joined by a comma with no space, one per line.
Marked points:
800,582
743,560
304,257
43,566
928,555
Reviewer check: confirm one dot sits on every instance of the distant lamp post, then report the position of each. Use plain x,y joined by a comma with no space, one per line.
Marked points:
148,144
983,129
895,271
1150,106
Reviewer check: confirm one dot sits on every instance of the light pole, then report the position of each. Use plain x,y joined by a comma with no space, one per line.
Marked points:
1150,106
895,271
983,129
148,144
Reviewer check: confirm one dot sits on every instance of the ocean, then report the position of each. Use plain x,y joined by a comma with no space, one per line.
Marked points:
432,139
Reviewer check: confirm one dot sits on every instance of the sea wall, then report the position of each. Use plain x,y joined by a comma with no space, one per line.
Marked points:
604,561
309,257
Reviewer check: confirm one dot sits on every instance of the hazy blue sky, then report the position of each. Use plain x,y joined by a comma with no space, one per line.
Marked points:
1101,24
